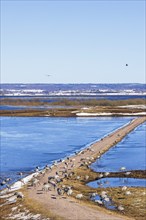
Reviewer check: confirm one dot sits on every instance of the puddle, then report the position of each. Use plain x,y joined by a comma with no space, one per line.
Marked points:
107,202
117,182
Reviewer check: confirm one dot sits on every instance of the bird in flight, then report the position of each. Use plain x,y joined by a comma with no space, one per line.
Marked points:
126,64
48,75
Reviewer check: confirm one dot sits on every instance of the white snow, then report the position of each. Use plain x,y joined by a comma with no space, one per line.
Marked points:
108,113
92,114
18,185
134,106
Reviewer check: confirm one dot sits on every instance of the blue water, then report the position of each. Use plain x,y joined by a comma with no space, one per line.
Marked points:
21,107
108,204
116,182
129,153
50,98
27,142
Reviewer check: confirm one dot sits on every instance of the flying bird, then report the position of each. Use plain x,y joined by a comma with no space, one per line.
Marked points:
126,64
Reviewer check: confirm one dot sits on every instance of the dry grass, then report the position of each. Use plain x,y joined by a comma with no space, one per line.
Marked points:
96,106
67,112
6,210
26,204
36,207
134,204
68,102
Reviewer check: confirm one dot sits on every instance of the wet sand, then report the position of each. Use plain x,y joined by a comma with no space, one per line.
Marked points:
68,207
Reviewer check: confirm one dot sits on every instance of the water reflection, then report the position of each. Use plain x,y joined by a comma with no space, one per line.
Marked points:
104,200
118,182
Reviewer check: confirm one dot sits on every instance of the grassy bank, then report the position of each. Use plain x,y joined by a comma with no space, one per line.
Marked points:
67,102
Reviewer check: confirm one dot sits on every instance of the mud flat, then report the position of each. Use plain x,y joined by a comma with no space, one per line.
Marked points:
75,172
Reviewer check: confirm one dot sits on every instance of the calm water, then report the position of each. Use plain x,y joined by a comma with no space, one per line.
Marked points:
116,182
28,142
129,153
21,107
108,204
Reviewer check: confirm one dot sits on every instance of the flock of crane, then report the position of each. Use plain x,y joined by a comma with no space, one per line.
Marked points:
64,170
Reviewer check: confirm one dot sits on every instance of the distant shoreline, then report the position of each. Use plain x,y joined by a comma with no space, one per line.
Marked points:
68,114
65,90
39,107
75,112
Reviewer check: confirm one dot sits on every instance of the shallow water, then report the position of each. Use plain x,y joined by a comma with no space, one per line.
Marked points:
27,142
108,204
116,182
129,153
21,107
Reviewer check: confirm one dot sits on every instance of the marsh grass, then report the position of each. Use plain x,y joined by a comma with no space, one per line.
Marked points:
68,102
23,205
36,207
94,105
134,204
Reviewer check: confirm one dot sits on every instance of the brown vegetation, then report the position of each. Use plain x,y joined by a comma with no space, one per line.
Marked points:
67,102
68,108
134,204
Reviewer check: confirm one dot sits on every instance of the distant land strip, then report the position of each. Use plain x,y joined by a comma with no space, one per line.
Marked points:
72,108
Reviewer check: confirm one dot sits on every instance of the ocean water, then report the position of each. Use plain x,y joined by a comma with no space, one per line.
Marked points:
129,153
27,142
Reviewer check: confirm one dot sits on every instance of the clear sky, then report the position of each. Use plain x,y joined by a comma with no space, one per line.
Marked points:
72,41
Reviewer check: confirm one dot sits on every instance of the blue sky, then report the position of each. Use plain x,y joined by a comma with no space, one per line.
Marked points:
72,41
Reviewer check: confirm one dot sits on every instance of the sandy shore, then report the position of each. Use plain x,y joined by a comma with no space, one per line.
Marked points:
67,207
